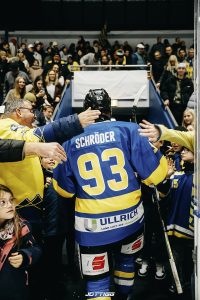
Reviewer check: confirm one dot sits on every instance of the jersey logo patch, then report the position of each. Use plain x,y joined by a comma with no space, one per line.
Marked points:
133,247
15,127
94,264
98,262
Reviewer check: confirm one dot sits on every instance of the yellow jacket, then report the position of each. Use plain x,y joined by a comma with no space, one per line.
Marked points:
184,138
24,178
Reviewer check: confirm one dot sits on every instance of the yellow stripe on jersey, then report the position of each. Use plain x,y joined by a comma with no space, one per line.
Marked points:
96,206
60,191
179,235
191,227
159,174
124,274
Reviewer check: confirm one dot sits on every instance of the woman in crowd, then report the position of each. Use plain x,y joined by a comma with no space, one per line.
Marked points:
53,88
18,91
188,118
169,70
35,70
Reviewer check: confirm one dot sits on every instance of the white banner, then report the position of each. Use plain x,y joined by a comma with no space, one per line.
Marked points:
120,85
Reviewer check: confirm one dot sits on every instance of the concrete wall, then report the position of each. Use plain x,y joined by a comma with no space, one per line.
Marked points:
133,37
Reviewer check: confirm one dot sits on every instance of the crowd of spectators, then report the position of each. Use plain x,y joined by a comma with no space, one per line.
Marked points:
32,81
45,72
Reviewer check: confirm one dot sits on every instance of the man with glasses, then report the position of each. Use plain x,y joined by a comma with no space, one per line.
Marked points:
28,115
25,178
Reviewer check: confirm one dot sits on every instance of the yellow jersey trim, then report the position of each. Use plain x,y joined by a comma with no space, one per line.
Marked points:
60,191
124,274
179,235
108,204
159,174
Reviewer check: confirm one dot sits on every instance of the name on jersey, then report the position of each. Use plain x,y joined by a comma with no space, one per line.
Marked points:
95,138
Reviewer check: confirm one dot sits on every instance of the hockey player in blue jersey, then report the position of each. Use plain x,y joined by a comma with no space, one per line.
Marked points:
101,170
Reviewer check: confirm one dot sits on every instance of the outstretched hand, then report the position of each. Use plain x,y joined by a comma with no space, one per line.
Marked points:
171,167
51,150
88,117
149,130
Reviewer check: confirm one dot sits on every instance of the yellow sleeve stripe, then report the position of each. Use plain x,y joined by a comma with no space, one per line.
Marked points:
60,191
179,235
108,204
159,174
124,274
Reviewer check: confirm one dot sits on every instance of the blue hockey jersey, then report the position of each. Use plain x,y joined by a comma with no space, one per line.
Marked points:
101,169
180,221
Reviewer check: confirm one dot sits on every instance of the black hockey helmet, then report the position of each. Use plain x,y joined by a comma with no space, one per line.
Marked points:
98,99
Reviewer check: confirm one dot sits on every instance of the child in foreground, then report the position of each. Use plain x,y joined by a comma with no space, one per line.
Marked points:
18,250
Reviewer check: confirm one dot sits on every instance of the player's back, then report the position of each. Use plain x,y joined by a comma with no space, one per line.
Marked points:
101,169
102,159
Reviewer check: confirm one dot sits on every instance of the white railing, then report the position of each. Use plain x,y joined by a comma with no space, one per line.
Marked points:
108,67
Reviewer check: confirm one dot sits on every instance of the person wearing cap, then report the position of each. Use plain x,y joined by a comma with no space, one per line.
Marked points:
119,57
72,66
30,97
29,53
176,91
30,46
55,44
138,58
54,47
